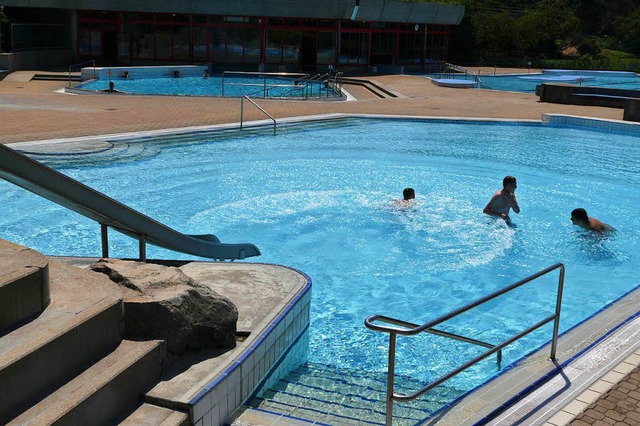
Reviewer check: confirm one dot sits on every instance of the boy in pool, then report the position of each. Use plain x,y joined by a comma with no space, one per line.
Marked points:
408,198
503,200
579,217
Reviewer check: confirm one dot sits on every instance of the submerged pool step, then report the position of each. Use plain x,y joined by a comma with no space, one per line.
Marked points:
330,395
119,152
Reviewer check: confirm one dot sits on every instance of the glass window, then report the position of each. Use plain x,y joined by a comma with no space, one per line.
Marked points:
276,22
217,44
163,42
383,48
128,16
200,19
200,43
252,45
326,47
410,48
180,18
291,47
181,43
125,47
84,43
354,48
273,53
96,47
147,17
234,48
145,46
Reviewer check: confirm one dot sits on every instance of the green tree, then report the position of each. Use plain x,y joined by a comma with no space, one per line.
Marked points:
544,25
629,31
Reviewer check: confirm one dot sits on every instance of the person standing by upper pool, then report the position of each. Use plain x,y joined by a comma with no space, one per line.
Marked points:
579,217
503,200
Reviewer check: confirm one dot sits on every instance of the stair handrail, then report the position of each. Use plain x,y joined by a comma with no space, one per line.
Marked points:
264,75
412,329
92,61
460,69
257,106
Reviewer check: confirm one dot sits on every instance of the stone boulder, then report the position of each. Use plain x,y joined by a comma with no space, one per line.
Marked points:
161,302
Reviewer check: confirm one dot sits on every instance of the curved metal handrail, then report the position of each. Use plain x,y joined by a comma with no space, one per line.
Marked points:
410,329
257,106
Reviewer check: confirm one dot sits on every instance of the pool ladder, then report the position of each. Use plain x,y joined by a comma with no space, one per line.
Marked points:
408,329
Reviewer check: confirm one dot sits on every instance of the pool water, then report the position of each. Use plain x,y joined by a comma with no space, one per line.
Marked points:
322,199
212,86
527,82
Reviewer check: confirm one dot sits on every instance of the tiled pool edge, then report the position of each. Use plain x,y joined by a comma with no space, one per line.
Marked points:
258,356
591,123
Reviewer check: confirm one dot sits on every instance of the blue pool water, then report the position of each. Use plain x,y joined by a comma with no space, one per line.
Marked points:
321,199
212,86
527,82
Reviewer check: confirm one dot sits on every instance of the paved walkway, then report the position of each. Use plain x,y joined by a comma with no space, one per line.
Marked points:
33,110
619,406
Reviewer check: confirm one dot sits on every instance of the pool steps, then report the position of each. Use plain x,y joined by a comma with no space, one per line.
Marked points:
326,394
70,358
70,363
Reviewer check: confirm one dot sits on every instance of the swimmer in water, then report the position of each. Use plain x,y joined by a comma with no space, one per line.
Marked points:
504,200
580,218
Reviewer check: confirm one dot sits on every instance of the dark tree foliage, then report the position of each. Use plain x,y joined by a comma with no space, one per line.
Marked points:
495,30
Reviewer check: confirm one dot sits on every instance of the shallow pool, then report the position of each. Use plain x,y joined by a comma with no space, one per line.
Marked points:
527,82
321,199
213,86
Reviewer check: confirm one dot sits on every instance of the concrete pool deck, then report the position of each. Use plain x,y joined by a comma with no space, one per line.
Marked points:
34,110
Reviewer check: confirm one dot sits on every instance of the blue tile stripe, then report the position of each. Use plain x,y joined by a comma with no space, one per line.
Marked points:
260,339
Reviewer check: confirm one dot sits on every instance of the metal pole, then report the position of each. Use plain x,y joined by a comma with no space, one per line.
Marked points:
390,377
105,240
556,322
143,248
241,110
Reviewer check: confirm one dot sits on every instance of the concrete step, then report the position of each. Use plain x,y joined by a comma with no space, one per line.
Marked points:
152,415
24,285
57,76
83,322
100,394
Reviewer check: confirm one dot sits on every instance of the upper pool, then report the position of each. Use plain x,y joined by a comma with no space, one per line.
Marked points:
320,198
269,87
527,82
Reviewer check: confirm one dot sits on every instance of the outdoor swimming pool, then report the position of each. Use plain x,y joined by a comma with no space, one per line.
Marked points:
213,86
527,82
321,199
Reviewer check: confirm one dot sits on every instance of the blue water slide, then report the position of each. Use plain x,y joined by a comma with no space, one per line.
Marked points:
67,192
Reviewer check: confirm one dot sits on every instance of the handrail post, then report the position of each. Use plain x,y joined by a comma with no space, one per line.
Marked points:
241,110
142,244
105,240
391,377
556,322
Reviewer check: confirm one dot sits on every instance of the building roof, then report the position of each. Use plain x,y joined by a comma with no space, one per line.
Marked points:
367,10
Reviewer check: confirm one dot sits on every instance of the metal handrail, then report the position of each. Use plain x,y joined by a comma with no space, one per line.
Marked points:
257,106
460,69
92,61
412,329
264,74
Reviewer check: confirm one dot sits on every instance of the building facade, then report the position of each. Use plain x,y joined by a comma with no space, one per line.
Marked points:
244,34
